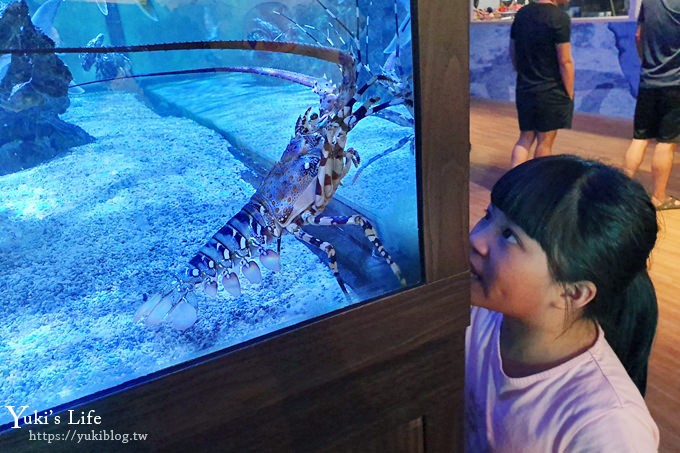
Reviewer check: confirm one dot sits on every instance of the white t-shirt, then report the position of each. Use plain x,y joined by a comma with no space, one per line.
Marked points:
587,404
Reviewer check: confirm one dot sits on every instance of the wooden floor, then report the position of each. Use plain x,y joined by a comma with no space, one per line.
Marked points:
493,131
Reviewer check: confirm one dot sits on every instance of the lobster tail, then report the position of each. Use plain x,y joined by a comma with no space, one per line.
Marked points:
177,307
233,248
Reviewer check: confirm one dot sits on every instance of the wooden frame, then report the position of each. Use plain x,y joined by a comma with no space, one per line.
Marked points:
384,376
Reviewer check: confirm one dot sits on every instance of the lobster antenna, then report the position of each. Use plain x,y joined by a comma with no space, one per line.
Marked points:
330,13
396,28
337,34
328,38
368,18
358,25
355,39
313,38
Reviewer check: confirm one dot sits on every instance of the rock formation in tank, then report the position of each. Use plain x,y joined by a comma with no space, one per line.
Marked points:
33,93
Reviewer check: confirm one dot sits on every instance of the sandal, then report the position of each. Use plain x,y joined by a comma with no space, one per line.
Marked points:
670,203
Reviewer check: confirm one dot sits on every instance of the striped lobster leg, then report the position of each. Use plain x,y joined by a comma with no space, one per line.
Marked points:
369,232
327,247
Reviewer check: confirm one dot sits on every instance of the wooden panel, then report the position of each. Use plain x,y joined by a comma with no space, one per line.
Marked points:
494,130
406,438
444,122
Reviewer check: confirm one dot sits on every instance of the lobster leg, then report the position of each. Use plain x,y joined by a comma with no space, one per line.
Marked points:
369,232
400,144
370,108
327,247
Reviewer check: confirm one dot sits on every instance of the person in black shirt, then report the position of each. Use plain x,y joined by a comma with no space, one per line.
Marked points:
541,54
657,110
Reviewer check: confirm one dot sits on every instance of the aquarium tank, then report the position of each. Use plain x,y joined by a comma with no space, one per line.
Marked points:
181,177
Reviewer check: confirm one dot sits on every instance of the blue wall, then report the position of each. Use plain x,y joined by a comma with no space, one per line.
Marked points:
607,65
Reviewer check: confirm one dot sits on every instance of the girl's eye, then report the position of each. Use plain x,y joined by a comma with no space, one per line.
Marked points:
510,236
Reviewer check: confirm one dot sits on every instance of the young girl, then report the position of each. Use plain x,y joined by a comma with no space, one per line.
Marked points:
564,312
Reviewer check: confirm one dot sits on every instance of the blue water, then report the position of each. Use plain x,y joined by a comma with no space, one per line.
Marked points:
88,232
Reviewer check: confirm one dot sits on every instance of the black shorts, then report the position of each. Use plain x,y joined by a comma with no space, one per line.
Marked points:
657,114
544,111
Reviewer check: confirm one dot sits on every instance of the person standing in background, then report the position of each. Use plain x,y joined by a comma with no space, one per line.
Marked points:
657,110
541,54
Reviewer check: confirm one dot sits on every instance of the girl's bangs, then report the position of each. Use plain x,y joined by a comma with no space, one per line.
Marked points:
531,194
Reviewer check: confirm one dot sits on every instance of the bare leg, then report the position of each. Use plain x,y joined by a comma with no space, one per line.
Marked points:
634,156
520,152
662,164
545,143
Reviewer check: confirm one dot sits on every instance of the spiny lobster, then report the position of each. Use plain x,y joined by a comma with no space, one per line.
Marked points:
294,194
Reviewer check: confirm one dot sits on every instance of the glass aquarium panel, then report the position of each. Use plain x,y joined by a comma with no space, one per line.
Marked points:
178,177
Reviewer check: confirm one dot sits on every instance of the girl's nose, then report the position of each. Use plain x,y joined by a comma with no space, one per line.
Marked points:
479,239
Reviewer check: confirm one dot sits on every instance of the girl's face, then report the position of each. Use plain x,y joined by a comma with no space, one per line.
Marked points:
510,270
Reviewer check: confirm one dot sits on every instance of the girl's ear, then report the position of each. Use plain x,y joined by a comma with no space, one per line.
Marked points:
579,294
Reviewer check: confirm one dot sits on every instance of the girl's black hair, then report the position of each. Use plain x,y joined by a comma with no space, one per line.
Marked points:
595,224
